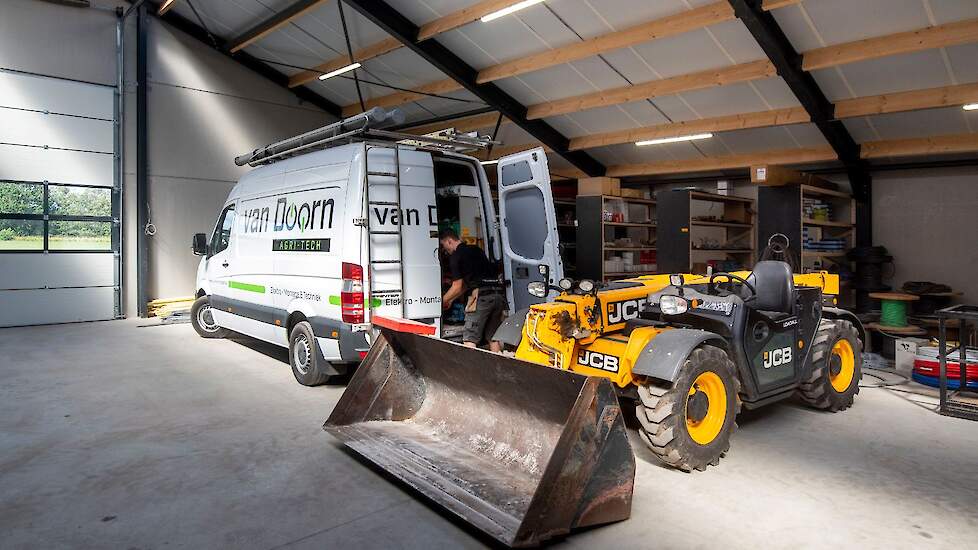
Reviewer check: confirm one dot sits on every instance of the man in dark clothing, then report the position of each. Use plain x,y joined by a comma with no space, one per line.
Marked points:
472,270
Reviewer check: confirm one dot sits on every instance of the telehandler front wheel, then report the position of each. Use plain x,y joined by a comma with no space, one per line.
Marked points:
688,423
836,367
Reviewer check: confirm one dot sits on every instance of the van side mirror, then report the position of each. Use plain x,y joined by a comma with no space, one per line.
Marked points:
200,244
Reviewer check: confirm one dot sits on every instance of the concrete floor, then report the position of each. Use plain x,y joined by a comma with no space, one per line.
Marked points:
121,435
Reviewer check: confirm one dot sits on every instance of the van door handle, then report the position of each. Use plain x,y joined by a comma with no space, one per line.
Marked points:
225,264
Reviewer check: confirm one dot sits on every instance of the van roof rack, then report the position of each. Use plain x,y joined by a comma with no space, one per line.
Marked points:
365,126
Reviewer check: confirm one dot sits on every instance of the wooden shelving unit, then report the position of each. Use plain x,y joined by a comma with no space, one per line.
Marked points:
700,228
623,229
782,210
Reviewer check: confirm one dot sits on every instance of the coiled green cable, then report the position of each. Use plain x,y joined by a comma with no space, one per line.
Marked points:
894,313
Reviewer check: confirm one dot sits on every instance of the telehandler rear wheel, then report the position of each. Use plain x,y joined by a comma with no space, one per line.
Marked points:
688,423
836,367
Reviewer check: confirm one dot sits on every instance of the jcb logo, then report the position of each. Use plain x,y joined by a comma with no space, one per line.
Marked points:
778,357
619,312
597,360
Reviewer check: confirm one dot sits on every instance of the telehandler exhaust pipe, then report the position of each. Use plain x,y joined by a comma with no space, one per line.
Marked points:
520,451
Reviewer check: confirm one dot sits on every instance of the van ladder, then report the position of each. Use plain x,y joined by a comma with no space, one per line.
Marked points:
396,203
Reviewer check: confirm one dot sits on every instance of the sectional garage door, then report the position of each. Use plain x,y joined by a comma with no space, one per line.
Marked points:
59,231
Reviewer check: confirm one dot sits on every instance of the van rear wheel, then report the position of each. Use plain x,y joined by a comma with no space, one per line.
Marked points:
304,356
202,318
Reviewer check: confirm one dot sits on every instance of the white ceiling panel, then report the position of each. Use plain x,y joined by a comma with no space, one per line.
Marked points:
605,119
805,135
860,129
470,52
947,11
839,21
725,100
645,113
964,61
737,42
595,17
674,108
897,73
832,84
776,92
520,91
425,11
795,25
682,54
325,24
932,122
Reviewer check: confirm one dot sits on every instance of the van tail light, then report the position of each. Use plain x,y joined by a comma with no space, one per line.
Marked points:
351,295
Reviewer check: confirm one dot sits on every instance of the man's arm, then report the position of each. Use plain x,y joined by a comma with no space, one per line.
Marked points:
456,290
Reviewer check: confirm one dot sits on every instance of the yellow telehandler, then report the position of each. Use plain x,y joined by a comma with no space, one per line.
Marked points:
529,447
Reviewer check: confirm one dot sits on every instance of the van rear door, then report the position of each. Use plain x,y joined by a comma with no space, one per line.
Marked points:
528,224
415,254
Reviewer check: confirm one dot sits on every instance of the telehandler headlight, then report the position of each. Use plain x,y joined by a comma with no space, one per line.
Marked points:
565,284
586,285
676,280
673,305
537,288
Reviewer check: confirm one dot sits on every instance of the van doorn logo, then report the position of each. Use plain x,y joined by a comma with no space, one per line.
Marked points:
290,216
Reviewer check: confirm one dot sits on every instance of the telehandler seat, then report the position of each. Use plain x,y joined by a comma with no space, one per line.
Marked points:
775,286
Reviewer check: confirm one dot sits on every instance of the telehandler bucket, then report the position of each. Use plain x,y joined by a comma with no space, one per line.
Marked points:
520,451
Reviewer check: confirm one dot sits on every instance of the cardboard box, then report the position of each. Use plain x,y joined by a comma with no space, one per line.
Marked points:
599,186
633,193
906,349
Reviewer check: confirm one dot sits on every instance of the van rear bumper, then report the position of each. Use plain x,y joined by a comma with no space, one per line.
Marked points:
350,343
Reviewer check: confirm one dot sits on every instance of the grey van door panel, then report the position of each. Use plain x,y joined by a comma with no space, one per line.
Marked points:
528,224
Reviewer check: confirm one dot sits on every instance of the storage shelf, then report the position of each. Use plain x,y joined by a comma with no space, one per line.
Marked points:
721,224
725,250
701,196
629,248
634,200
809,190
825,223
629,224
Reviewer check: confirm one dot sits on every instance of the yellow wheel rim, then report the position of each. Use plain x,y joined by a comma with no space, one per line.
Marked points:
843,350
708,428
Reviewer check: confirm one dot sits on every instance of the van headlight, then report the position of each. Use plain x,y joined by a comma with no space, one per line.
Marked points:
672,305
537,288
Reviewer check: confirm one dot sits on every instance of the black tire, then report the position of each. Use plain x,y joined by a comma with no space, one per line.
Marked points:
203,321
662,412
818,389
304,356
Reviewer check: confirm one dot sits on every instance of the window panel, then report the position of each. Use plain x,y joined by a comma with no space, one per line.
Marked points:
65,200
21,198
79,235
16,235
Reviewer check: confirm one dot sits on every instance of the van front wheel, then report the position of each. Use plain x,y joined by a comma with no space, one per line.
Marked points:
202,318
304,356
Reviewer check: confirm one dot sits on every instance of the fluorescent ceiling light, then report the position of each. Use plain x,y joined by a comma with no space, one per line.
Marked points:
341,70
488,162
506,11
673,139
165,7
971,107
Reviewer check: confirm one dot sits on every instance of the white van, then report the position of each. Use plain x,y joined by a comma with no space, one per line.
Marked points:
308,247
